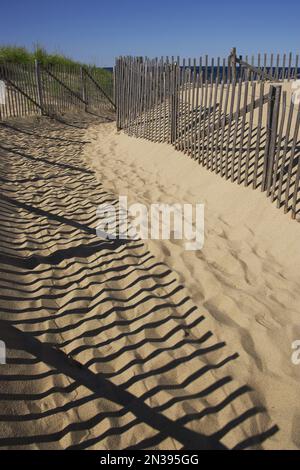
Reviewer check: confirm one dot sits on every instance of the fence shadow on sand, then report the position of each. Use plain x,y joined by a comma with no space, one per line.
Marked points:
105,348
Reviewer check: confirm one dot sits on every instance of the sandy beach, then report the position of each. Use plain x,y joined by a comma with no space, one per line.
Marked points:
242,280
126,345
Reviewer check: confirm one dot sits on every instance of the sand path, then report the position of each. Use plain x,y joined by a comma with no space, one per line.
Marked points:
106,350
245,280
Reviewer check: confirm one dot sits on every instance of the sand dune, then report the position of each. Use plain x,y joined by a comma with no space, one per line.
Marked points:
106,346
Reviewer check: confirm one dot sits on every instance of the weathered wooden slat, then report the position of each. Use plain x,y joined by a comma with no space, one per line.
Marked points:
296,192
272,127
277,67
200,115
209,113
181,72
284,154
24,104
259,134
212,136
164,103
173,105
204,118
39,86
140,106
243,122
188,114
249,141
19,102
152,110
158,110
279,142
230,120
259,71
296,67
184,105
219,117
289,67
236,130
169,84
265,66
291,162
206,69
224,121
192,118
283,67
271,65
133,89
196,117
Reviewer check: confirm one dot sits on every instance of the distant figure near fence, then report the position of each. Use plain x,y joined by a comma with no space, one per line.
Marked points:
237,117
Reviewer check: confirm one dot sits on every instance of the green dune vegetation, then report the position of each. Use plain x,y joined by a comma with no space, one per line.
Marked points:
21,55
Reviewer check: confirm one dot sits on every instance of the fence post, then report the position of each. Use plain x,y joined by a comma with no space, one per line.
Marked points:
39,85
119,91
233,63
83,88
114,84
241,70
174,107
271,137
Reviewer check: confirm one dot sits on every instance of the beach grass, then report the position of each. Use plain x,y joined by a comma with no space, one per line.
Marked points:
22,55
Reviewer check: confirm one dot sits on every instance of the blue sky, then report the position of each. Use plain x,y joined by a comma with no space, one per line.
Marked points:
97,31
